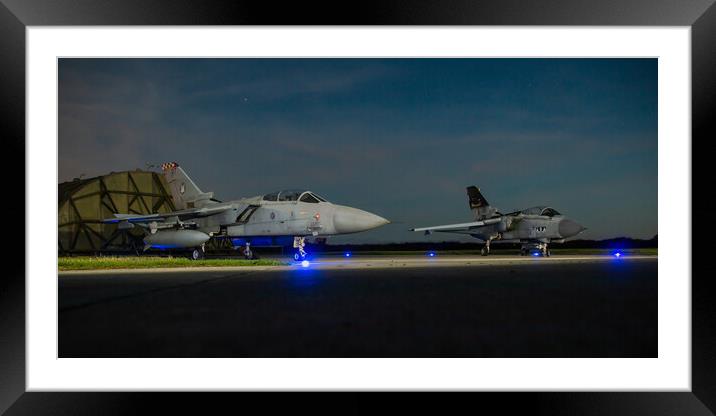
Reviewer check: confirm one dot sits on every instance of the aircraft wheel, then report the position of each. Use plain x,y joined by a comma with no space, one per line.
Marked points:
483,251
547,253
197,254
296,256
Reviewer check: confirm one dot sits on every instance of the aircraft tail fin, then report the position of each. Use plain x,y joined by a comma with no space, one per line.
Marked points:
184,191
481,209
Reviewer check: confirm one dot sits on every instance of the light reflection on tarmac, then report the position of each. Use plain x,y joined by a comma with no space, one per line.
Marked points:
357,261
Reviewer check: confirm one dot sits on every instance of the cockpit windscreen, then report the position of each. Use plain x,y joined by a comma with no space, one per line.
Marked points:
294,195
550,212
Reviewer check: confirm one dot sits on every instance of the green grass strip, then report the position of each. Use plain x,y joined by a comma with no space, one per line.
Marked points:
142,262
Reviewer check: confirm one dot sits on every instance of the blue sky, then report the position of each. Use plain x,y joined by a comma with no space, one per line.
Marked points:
398,137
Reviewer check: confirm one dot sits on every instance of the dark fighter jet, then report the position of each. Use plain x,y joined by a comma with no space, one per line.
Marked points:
534,227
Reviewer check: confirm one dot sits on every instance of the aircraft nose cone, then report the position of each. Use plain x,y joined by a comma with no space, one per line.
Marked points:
352,220
569,228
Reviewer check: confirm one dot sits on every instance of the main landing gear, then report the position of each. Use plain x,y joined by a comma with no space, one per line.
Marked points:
486,250
198,253
299,243
537,250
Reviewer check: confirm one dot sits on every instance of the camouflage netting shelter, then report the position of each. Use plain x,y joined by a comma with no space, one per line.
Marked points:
82,203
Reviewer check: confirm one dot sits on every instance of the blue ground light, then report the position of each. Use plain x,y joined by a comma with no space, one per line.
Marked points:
431,254
305,263
347,254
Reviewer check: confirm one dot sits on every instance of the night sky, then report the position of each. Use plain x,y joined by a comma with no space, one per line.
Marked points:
398,137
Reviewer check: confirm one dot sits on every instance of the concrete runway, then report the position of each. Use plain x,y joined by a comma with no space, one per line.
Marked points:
382,306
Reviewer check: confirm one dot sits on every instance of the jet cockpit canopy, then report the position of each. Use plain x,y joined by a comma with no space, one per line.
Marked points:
294,195
541,210
550,212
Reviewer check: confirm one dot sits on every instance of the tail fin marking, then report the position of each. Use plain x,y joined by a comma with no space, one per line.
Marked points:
481,209
184,191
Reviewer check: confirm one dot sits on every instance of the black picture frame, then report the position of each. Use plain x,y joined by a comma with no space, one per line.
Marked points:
15,15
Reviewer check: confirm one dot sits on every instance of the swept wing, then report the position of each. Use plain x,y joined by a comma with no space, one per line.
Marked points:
462,228
182,215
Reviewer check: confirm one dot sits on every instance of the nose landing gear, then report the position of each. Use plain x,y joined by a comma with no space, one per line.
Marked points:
248,254
299,243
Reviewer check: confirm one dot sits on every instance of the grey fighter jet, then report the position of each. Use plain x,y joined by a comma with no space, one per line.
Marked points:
534,227
261,220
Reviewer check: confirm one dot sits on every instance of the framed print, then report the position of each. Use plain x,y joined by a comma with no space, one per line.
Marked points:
576,120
